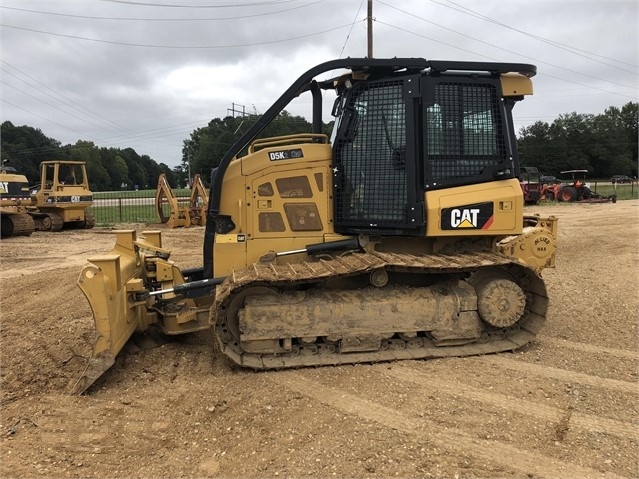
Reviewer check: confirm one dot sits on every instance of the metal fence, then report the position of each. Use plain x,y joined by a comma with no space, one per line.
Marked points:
139,206
135,207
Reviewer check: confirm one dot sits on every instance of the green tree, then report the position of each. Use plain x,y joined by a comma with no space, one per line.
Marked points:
604,144
26,147
86,151
206,147
118,171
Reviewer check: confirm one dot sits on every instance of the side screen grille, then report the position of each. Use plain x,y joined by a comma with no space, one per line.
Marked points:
463,131
370,181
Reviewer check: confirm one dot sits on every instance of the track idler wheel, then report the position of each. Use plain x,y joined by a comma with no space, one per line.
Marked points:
46,223
500,300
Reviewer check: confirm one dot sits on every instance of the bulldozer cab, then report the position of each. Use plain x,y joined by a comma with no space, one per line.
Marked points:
63,196
56,175
401,136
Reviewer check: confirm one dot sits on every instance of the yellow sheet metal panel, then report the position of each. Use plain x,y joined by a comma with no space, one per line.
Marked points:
514,84
493,209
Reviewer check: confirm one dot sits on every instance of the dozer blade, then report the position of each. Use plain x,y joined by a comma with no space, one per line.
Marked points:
114,286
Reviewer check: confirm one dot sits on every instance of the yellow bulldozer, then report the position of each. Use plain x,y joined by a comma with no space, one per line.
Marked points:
402,236
15,198
62,198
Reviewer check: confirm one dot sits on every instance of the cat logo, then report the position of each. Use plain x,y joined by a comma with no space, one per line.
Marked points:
464,218
4,187
477,216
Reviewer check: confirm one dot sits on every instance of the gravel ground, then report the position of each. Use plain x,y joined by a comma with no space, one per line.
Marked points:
564,406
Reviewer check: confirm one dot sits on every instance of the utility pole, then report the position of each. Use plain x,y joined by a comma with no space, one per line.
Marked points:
189,158
369,22
234,110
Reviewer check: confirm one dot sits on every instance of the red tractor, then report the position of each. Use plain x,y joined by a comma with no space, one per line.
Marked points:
530,184
574,189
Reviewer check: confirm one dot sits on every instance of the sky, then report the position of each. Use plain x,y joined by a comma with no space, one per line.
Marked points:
144,74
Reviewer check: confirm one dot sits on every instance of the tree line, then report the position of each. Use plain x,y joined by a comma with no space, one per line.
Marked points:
604,144
206,147
108,169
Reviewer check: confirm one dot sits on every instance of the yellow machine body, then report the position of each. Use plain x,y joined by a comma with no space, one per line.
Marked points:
374,245
63,197
14,199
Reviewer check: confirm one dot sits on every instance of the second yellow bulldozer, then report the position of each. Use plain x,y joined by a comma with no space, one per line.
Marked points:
15,199
62,198
401,236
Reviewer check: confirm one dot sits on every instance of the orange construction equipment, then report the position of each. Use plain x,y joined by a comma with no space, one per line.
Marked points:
174,211
574,188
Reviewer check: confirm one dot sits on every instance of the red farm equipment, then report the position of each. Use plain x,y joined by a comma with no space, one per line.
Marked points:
530,184
574,188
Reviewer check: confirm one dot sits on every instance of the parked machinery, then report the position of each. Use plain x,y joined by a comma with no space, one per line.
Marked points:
529,180
15,197
574,188
403,236
176,213
62,197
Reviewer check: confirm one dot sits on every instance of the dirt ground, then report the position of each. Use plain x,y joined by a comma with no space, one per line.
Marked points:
564,406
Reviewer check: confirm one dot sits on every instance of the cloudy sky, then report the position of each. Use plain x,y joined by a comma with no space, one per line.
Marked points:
145,73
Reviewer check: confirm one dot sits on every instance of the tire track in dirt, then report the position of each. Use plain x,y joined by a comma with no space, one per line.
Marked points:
559,374
588,348
46,264
517,405
510,457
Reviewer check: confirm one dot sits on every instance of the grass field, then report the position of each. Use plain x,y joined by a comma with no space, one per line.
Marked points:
112,207
103,195
623,192
109,215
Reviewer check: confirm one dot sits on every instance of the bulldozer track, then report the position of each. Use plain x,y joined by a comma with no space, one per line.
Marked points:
20,224
305,273
48,221
517,405
509,457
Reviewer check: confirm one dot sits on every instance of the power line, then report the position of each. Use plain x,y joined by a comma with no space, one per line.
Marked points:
40,116
171,19
348,35
561,46
179,47
168,5
539,61
501,48
69,102
40,100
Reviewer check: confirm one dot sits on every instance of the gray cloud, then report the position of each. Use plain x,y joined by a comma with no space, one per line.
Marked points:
124,74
